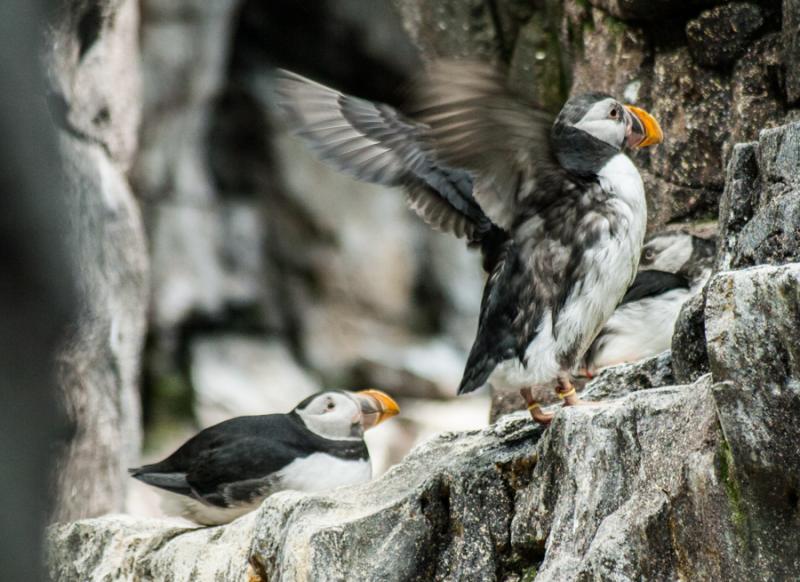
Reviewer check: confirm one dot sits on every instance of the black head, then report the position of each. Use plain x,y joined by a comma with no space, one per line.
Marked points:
594,127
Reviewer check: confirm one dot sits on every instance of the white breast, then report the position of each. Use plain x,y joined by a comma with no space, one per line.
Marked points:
322,472
610,266
640,329
314,473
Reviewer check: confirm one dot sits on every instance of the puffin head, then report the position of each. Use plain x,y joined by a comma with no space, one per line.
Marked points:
677,252
593,127
339,414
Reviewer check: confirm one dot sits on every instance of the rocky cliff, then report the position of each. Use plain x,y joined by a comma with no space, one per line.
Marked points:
696,481
264,263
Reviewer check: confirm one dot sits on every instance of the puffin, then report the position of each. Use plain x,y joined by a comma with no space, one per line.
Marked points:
674,266
228,469
554,203
677,251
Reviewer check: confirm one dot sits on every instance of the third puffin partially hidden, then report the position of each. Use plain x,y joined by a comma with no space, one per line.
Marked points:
555,205
673,268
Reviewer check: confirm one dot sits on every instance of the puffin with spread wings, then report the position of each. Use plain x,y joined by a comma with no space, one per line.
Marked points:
555,205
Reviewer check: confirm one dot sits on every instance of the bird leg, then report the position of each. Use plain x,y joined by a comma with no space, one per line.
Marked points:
566,392
535,408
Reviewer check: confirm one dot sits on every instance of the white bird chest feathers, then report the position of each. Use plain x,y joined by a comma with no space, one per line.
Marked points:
610,266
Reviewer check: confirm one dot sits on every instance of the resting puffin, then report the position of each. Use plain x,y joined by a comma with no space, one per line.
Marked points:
228,469
674,266
556,206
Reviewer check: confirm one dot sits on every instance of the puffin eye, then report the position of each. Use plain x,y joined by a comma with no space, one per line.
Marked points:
330,405
649,254
614,113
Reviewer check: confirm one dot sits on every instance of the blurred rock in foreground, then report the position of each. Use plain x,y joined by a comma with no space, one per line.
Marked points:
94,97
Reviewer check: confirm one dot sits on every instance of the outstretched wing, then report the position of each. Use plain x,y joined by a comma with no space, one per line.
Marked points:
375,143
478,124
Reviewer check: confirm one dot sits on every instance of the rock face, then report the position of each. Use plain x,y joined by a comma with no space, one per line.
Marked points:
720,35
658,482
262,257
94,84
753,349
654,493
759,222
249,235
696,481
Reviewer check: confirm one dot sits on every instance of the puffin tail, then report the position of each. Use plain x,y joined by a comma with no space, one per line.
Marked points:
174,482
476,372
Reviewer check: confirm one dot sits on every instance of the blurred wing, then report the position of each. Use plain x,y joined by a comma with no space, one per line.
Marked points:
478,124
375,143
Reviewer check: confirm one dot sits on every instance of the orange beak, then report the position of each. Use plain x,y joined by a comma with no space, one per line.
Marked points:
643,130
376,406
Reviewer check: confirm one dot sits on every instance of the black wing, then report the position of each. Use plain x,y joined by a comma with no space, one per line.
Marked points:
375,143
477,123
651,283
240,449
496,339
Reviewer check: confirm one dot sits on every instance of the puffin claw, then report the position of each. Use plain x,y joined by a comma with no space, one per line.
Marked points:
539,415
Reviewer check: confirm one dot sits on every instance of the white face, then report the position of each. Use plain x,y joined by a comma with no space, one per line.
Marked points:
607,121
333,415
668,252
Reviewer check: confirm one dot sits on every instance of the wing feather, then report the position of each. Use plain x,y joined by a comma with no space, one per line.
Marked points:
478,124
375,143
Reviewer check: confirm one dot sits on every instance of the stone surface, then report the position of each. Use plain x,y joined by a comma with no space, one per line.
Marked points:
251,234
451,28
791,49
648,497
613,382
692,109
755,90
704,110
206,258
759,216
719,35
754,351
93,69
759,222
618,381
650,9
147,543
186,40
694,481
101,362
94,76
671,482
206,254
538,66
689,357
611,57
737,202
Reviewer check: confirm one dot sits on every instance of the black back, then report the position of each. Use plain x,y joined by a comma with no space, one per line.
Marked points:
242,449
652,283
